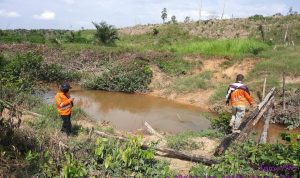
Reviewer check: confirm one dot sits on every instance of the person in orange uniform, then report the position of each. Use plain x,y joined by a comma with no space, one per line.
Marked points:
238,96
64,104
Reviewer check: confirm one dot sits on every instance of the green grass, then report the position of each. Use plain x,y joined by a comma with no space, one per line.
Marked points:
280,60
231,47
183,141
220,93
192,83
177,66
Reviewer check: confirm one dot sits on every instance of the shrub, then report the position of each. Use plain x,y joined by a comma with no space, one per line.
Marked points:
25,70
106,34
221,123
75,37
119,160
256,17
177,66
131,77
155,31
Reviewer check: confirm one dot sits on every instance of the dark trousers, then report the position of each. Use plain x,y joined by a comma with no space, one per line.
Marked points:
66,126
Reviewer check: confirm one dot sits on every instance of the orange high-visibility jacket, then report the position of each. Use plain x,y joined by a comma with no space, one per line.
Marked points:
240,97
64,103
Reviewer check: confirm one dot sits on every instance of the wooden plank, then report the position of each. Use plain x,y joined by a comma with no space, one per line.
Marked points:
249,127
231,137
264,135
259,116
170,152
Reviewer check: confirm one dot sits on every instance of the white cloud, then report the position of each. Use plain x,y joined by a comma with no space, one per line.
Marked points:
46,15
5,13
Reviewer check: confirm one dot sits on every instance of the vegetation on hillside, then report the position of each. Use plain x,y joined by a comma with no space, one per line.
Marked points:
106,59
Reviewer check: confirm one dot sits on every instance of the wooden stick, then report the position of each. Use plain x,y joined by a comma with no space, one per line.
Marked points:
258,117
170,152
21,110
231,137
283,90
152,131
264,135
264,88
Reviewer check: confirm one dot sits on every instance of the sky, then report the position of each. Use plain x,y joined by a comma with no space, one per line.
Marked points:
75,14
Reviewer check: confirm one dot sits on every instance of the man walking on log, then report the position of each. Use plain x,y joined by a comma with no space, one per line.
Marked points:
64,104
238,96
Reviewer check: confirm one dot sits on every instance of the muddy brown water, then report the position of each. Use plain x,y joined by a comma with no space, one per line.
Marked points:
128,112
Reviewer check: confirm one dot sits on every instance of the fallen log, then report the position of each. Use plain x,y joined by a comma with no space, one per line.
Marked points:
231,137
152,131
171,153
24,111
264,135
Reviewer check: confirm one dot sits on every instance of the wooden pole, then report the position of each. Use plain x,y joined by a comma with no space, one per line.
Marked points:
170,152
263,138
259,116
264,88
283,90
285,35
152,131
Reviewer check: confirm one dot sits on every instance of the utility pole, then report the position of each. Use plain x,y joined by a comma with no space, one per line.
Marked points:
283,91
223,9
200,10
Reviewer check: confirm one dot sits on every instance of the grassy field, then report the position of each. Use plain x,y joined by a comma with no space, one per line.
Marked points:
232,47
193,83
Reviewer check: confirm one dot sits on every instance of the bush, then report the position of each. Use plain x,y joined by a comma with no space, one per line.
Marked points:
75,37
221,123
106,34
121,160
256,17
25,70
131,77
177,66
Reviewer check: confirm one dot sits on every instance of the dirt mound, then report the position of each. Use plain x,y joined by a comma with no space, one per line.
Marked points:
161,82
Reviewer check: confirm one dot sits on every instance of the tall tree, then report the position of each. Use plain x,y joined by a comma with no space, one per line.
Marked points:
164,15
187,19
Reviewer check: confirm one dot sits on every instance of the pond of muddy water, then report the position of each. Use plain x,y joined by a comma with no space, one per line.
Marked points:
128,112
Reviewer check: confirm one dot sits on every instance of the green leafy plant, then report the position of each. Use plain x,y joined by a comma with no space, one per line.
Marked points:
73,167
124,159
132,77
106,34
221,123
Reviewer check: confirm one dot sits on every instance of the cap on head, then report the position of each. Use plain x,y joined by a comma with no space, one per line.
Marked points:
65,87
239,77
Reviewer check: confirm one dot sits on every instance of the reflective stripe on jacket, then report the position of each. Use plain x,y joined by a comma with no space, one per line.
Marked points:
63,103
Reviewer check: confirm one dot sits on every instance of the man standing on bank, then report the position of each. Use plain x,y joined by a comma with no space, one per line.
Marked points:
64,104
238,96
